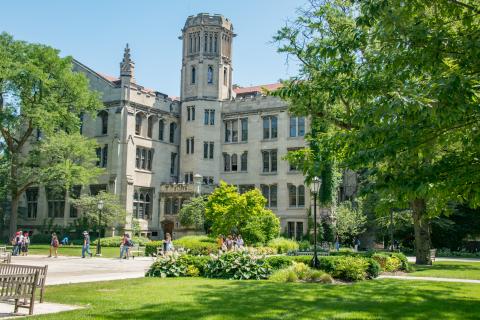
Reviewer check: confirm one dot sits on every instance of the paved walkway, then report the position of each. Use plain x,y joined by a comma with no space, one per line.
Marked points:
429,279
65,269
412,259
6,309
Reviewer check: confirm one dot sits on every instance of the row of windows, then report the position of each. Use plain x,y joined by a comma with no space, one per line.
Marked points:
210,42
205,179
150,124
296,195
231,162
210,75
142,203
56,200
208,119
232,128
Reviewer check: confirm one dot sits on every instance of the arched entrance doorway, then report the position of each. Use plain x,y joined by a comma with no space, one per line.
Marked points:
167,226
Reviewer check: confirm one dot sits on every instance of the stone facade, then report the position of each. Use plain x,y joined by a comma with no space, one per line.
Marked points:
159,151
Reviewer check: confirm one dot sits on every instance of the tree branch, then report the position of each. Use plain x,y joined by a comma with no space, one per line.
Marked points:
465,5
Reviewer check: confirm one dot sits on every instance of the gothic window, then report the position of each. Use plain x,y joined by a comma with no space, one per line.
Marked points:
149,159
173,157
215,44
104,122
297,126
224,76
102,156
190,142
188,177
193,75
173,127
138,124
226,162
210,75
137,159
244,129
269,159
270,193
244,161
144,158
211,44
32,202
161,128
234,162
209,118
190,46
191,113
150,127
142,203
208,150
296,195
270,127
205,43
56,202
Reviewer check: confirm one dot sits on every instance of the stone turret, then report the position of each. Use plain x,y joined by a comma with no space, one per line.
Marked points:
127,67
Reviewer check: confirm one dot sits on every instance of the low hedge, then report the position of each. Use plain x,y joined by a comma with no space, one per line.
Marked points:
151,247
283,245
197,245
116,241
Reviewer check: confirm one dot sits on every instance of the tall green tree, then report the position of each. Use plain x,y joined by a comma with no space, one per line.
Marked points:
38,91
245,214
192,213
400,83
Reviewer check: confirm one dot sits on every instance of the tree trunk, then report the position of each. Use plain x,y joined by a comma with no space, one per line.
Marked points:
421,226
14,196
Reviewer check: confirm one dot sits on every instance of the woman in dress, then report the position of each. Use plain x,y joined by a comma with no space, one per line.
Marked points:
54,245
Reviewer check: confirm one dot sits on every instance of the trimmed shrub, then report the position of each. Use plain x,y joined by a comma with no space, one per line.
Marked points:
393,264
116,241
373,269
279,262
304,245
381,258
316,275
302,271
284,275
283,245
350,268
151,247
391,261
197,245
404,265
198,262
168,266
237,265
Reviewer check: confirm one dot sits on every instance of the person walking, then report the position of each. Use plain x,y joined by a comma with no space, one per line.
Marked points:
337,243
356,243
54,243
240,242
16,243
25,243
86,244
125,246
168,244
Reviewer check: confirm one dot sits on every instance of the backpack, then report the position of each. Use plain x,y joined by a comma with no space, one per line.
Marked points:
130,243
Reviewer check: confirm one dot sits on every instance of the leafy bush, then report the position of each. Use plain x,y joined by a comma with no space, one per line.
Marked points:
262,250
197,245
192,271
284,275
304,245
393,264
279,262
326,278
391,261
381,258
237,265
404,265
168,266
373,269
283,245
351,268
151,247
301,270
116,241
198,262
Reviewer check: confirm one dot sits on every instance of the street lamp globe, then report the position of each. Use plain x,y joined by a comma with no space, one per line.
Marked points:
315,185
100,205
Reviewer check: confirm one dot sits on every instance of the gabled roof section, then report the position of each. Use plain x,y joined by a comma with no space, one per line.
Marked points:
112,81
242,91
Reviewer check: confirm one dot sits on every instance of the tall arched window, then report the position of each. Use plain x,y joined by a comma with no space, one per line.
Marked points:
173,127
138,124
193,75
226,162
244,162
103,115
150,126
210,75
234,162
161,128
301,196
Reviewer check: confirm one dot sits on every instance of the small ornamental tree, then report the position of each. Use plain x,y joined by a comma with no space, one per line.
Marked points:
193,212
350,221
244,214
113,212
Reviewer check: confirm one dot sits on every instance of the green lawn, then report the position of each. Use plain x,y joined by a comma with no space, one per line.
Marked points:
199,298
42,249
449,269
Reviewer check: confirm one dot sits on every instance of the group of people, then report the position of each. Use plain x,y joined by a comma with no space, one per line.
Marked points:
20,243
230,243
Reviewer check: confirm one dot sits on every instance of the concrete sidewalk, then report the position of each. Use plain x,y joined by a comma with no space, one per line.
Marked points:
412,259
65,269
6,309
429,279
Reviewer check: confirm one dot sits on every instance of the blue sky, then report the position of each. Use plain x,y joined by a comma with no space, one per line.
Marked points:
95,33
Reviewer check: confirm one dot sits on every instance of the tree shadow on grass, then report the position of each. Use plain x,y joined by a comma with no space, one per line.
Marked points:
267,300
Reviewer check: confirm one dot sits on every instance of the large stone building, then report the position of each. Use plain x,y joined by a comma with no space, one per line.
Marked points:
159,151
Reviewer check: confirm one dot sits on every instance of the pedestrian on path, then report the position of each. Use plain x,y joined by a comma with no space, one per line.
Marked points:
86,244
25,244
54,243
125,246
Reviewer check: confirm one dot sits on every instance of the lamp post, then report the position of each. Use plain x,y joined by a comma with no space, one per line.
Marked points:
314,188
197,180
100,208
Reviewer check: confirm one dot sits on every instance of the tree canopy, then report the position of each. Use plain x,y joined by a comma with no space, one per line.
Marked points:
39,95
400,85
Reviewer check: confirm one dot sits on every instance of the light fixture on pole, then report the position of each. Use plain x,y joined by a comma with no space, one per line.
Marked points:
197,180
100,208
314,189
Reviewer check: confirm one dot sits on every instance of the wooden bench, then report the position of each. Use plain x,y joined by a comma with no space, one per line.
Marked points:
19,287
433,253
5,257
6,269
136,249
